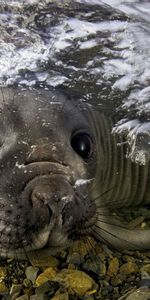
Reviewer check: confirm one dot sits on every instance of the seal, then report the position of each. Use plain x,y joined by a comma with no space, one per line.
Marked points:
62,172
46,142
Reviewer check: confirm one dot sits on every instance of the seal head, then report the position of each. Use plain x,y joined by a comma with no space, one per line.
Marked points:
46,161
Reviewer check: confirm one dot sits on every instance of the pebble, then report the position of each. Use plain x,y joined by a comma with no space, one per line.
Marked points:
116,273
128,258
113,267
71,266
129,268
102,271
32,273
77,282
89,298
139,294
92,264
118,279
15,291
42,258
49,288
3,288
48,274
38,297
75,259
27,283
23,297
144,275
146,268
3,273
60,296
144,282
83,248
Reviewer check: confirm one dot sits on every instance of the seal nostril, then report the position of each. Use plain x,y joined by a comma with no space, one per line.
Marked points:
39,202
39,196
67,214
50,212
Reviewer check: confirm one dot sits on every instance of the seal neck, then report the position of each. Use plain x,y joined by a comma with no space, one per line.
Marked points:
122,183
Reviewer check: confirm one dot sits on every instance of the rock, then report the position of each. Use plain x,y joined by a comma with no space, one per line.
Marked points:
144,282
71,266
118,279
60,296
144,275
92,264
48,274
15,291
3,272
139,294
38,297
89,298
102,271
3,288
113,267
81,247
3,275
146,268
43,258
49,288
42,278
129,268
27,283
32,273
23,297
128,258
77,282
75,259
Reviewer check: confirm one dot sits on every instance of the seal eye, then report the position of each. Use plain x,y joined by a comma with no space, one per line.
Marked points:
83,145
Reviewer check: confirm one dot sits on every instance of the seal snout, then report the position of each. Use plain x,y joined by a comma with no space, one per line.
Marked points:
47,194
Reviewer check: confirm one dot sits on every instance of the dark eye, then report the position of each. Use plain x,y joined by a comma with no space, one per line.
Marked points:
83,145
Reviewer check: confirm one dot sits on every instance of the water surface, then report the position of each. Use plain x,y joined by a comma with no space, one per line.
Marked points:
99,51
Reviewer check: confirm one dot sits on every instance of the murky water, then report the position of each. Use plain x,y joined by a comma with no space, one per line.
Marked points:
95,51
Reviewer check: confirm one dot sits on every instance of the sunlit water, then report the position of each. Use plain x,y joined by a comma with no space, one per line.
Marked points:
95,51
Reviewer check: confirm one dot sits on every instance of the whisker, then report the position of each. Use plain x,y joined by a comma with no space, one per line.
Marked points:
113,224
100,238
98,197
113,235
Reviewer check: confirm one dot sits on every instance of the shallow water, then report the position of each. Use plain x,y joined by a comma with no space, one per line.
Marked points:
90,49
